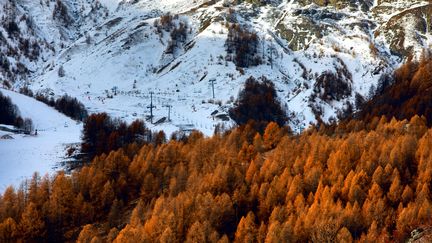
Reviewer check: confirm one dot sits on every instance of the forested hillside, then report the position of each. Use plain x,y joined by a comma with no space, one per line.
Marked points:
410,93
358,181
366,182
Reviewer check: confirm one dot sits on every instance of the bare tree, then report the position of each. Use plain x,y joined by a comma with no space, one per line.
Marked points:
28,126
61,72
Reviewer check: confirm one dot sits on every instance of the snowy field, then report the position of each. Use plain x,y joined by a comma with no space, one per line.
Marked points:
23,155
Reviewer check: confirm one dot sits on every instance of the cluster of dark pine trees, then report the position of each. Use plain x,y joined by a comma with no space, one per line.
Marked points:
242,46
70,106
334,86
67,105
102,134
177,29
10,115
258,104
60,12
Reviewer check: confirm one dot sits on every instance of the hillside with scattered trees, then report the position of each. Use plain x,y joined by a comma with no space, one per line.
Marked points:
409,94
360,181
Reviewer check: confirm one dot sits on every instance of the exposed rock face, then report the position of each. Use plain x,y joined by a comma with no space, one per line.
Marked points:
308,24
420,235
401,26
32,32
405,32
20,46
354,4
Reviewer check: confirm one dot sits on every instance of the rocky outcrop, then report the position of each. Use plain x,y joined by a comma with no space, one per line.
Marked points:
339,4
420,235
405,32
401,27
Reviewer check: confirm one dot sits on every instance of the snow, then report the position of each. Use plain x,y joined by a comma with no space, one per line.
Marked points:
111,5
125,51
22,156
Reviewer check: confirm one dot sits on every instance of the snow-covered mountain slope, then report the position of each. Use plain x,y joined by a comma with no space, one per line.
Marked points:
32,33
320,55
23,155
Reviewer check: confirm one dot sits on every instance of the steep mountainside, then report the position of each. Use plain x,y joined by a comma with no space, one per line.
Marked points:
32,33
111,54
363,66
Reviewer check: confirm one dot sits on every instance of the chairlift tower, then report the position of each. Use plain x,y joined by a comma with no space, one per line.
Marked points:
151,106
212,81
169,112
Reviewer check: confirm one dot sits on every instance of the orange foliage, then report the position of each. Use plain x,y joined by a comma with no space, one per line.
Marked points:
355,185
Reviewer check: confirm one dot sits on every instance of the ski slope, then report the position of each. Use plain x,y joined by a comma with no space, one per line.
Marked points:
115,44
22,156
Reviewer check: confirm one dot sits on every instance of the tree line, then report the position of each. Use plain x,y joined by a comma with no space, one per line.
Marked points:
69,106
10,115
102,134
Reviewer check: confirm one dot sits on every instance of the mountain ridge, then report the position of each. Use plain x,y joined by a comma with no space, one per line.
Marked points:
117,45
